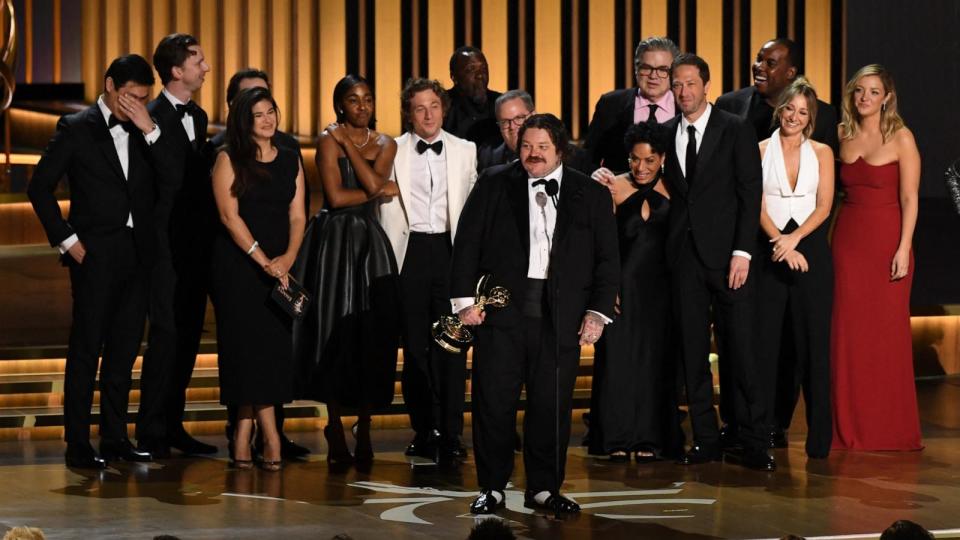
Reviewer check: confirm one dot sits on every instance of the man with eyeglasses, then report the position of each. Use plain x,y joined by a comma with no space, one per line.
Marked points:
511,109
651,101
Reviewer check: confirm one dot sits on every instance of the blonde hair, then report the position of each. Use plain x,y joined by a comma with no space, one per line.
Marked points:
24,533
799,87
890,120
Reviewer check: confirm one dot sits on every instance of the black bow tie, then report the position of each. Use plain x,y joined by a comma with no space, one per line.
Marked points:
550,185
189,108
422,147
114,122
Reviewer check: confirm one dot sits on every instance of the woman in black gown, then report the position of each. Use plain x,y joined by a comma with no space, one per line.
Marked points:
259,192
346,346
635,404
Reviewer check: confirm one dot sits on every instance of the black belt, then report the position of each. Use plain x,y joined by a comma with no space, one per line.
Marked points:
534,300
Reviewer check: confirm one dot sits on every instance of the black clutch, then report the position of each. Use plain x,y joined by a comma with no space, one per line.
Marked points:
294,299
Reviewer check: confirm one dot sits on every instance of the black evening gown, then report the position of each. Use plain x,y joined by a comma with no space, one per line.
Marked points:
253,333
634,378
346,345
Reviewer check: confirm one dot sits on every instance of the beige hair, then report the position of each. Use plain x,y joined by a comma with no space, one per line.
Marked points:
799,87
24,533
890,120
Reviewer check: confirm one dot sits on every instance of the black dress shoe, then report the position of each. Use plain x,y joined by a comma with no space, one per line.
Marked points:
486,503
157,449
753,458
292,450
555,503
188,445
729,437
699,454
422,448
452,450
123,450
82,456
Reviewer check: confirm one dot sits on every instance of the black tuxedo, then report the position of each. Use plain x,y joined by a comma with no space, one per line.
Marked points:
612,116
476,123
712,214
186,218
488,156
511,347
748,104
109,292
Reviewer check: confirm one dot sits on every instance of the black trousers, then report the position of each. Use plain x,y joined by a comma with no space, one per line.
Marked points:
178,305
698,291
505,359
433,380
797,305
109,312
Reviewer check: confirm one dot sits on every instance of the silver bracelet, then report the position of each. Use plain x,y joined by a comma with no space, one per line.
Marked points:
253,247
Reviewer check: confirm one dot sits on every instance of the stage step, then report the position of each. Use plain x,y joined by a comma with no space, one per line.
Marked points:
31,398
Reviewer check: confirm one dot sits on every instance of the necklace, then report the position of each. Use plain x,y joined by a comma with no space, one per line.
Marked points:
365,141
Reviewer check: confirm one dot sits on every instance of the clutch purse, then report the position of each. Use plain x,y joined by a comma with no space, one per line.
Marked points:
294,299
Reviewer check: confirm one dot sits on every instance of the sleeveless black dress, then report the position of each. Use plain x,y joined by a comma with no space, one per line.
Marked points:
346,346
253,333
634,403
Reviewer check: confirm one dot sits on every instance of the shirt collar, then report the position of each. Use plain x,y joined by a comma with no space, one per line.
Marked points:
666,101
700,124
417,138
104,110
556,174
171,98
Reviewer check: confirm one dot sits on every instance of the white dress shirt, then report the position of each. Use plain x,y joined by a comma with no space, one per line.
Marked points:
700,126
121,141
428,189
186,119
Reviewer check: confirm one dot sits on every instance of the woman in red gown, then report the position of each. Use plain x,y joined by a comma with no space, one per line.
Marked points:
874,397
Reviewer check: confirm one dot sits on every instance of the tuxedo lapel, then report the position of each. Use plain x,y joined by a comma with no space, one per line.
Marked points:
401,165
708,146
517,191
673,164
104,140
454,187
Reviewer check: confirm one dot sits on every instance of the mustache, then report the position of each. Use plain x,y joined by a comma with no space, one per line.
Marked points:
535,160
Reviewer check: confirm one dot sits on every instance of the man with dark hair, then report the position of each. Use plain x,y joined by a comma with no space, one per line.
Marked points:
779,62
240,81
186,222
713,171
471,115
435,172
651,102
547,234
111,155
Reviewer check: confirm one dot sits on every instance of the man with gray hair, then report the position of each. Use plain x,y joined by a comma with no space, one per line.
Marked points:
651,101
511,109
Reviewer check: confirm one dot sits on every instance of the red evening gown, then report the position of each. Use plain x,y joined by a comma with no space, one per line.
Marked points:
874,396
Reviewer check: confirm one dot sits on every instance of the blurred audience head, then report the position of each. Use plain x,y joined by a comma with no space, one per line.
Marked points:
903,529
24,533
491,529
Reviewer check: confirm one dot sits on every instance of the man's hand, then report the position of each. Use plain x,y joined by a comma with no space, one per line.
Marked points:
78,252
137,112
739,268
472,316
590,329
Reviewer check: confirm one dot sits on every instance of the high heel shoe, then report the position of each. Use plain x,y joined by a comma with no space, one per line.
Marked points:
242,464
364,449
337,452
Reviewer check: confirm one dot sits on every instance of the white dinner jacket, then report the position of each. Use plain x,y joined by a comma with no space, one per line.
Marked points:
461,176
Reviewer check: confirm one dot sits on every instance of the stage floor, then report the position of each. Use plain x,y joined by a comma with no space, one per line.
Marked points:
202,498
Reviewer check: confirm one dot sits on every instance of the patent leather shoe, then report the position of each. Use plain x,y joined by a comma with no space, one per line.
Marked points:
729,437
758,459
157,449
188,445
424,448
555,503
778,439
123,450
82,456
699,454
486,503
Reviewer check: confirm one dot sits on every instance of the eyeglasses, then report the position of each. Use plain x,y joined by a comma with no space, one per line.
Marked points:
517,121
647,70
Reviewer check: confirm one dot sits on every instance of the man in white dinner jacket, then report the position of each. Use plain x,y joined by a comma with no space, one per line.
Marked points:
435,172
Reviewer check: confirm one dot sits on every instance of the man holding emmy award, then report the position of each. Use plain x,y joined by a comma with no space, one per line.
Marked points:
547,234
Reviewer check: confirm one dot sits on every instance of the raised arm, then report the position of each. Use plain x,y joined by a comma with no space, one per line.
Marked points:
372,179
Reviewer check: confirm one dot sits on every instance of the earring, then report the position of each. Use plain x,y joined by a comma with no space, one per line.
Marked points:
339,111
883,107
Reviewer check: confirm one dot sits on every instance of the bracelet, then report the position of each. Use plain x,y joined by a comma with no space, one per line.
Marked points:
253,247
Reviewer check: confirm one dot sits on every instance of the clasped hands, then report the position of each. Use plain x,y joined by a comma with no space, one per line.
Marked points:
591,328
785,250
278,268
